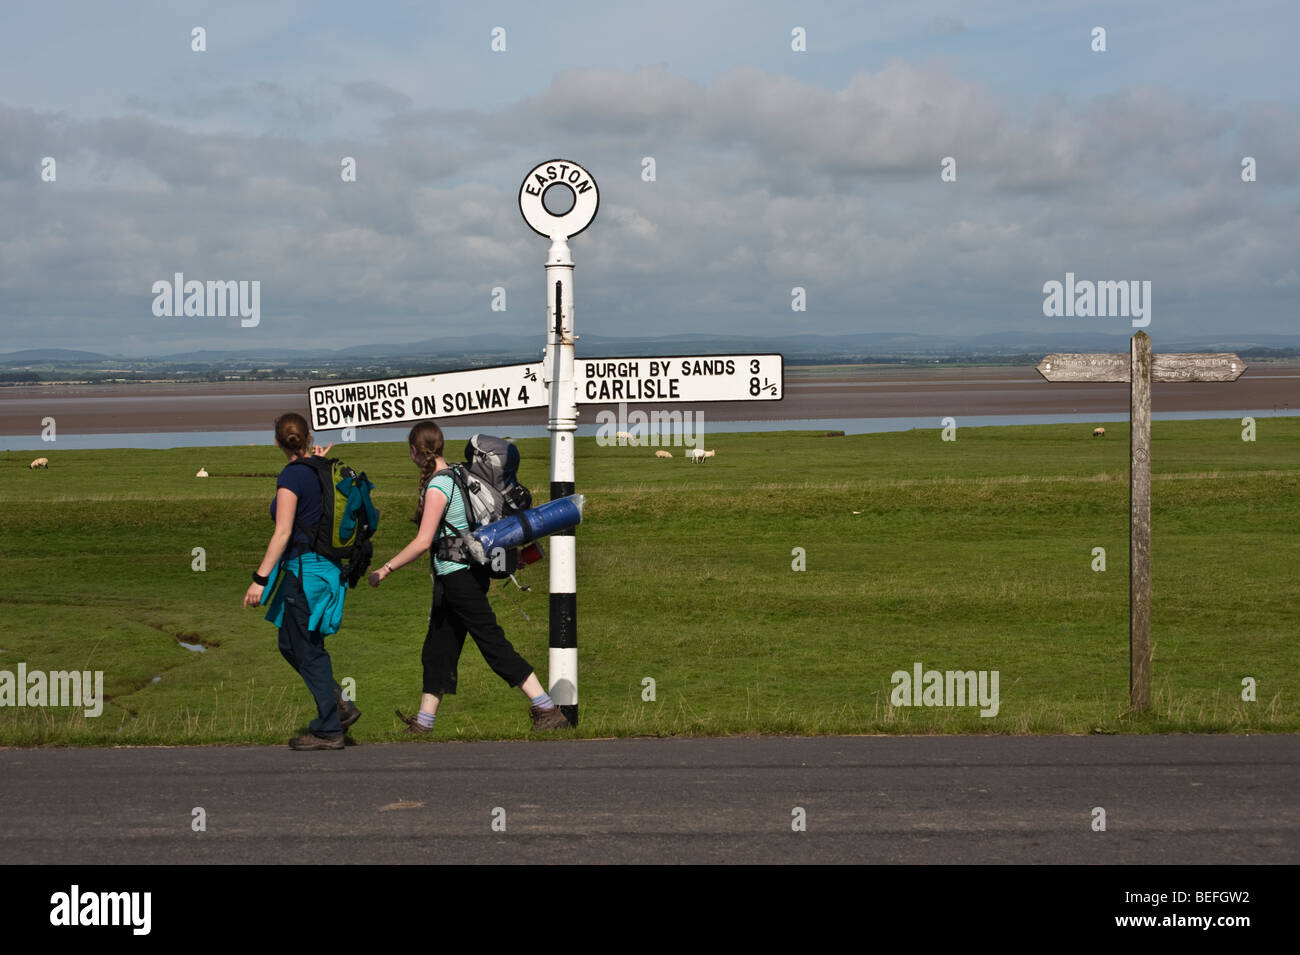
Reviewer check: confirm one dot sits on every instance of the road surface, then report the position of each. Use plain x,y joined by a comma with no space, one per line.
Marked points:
1167,799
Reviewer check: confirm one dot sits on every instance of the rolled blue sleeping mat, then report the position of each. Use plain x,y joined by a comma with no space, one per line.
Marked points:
529,525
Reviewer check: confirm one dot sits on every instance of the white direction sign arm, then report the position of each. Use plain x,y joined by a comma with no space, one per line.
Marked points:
680,378
444,395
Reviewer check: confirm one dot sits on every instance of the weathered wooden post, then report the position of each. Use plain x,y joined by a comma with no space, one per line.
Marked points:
1139,371
1139,523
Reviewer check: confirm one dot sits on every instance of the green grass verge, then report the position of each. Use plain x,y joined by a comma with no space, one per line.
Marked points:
971,555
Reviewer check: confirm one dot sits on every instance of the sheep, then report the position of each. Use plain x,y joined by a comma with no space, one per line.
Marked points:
1099,432
663,454
622,436
203,472
39,463
699,454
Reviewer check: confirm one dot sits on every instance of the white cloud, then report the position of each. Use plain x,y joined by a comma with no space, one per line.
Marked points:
764,182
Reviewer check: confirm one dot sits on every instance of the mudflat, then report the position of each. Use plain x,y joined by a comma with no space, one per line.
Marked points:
859,391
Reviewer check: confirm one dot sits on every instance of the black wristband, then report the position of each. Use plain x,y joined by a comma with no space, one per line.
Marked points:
260,580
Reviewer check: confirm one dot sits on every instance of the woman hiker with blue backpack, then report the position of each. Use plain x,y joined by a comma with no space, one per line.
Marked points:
306,588
460,603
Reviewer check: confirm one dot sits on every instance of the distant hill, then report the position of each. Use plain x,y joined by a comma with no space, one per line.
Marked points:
503,349
264,355
51,354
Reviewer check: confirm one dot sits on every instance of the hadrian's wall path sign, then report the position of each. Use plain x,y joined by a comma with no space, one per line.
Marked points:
1139,368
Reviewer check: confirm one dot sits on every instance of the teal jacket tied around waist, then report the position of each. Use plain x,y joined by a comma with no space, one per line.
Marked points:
322,582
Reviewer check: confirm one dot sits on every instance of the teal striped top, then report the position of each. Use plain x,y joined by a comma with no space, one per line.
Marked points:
455,516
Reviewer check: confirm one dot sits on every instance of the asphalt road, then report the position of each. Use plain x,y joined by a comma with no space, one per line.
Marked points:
1171,799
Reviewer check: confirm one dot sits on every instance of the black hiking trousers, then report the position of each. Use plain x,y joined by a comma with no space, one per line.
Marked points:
460,606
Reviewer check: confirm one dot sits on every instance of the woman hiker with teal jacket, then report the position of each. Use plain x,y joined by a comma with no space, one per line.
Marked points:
304,590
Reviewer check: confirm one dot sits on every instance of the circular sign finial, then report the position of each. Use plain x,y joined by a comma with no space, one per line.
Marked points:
555,184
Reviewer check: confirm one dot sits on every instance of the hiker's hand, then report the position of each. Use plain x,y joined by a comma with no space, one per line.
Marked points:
378,575
320,452
253,596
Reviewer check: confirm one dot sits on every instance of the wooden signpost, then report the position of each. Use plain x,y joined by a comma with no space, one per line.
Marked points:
1140,370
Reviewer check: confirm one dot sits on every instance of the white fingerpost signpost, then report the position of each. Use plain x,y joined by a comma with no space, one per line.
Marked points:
561,382
1139,368
570,180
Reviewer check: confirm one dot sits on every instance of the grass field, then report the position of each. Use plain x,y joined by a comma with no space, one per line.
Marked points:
966,555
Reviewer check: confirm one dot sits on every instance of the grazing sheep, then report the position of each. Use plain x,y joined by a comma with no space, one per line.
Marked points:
203,472
699,454
1099,432
622,436
39,463
663,454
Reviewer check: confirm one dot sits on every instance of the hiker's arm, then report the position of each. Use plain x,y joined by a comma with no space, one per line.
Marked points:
286,508
435,502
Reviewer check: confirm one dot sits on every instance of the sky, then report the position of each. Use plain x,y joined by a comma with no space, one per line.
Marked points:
775,168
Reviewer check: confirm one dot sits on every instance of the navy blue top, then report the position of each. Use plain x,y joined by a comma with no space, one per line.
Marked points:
302,480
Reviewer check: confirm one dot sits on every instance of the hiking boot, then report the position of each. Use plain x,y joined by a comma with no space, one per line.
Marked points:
552,719
312,741
413,727
348,712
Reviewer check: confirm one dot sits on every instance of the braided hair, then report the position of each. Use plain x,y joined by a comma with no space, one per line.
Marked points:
426,439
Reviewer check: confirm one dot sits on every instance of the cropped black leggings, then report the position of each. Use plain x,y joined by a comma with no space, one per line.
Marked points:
460,606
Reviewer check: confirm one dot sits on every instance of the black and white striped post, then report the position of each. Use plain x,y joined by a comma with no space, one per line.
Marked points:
562,180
